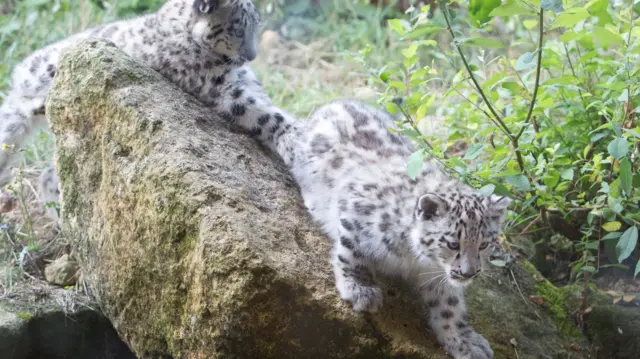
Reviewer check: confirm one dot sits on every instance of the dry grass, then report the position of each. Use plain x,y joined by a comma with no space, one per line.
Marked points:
301,77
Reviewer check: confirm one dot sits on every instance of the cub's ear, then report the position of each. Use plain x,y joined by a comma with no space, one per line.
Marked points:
430,205
206,6
496,205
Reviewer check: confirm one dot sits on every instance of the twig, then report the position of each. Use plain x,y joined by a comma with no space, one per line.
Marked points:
517,286
538,67
529,225
626,113
502,125
573,71
445,11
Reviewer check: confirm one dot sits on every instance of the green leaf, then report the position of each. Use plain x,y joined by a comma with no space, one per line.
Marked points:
474,151
498,263
598,9
520,182
423,31
606,37
480,10
611,226
570,17
515,88
562,80
399,26
511,10
567,174
635,273
414,164
569,36
552,5
487,190
589,269
410,51
392,108
525,61
632,132
484,42
551,179
618,148
592,245
422,110
627,243
411,133
626,176
612,235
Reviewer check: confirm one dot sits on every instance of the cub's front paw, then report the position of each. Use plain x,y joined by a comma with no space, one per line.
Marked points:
479,348
363,298
473,346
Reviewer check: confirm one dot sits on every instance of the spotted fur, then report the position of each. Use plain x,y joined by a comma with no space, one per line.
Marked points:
201,45
434,231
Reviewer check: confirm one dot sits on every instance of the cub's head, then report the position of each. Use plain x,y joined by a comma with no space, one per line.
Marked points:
226,27
457,230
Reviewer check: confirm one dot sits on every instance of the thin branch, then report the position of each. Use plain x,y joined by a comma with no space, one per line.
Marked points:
573,71
445,11
503,126
538,67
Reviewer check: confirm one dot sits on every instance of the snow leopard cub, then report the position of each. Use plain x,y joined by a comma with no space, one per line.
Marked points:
434,231
200,45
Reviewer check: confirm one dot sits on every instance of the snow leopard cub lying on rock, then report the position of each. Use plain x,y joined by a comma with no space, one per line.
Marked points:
200,45
434,232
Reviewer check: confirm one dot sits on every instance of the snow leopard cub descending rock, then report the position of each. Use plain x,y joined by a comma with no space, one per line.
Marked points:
201,45
434,232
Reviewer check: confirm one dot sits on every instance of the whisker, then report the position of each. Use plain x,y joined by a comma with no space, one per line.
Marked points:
431,280
436,272
441,284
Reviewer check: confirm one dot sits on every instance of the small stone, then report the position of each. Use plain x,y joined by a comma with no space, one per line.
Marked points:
8,202
63,271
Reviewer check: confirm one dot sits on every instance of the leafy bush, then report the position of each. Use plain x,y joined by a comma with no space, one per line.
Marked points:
549,111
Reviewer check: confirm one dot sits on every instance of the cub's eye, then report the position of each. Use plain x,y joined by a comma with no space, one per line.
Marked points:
484,245
453,245
239,32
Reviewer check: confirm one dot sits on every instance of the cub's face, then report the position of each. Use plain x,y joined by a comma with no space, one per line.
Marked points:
226,27
456,231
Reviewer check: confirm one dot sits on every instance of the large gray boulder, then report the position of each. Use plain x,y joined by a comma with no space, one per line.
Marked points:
196,243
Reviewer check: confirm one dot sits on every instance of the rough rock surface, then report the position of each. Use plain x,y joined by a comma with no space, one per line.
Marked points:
40,321
196,244
63,271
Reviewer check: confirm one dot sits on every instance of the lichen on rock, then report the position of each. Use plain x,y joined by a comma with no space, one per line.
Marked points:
196,243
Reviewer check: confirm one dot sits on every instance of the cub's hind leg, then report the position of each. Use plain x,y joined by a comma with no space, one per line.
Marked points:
49,192
18,120
22,111
354,278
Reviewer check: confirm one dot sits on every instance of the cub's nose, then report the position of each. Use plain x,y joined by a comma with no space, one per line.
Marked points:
470,273
249,54
467,273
